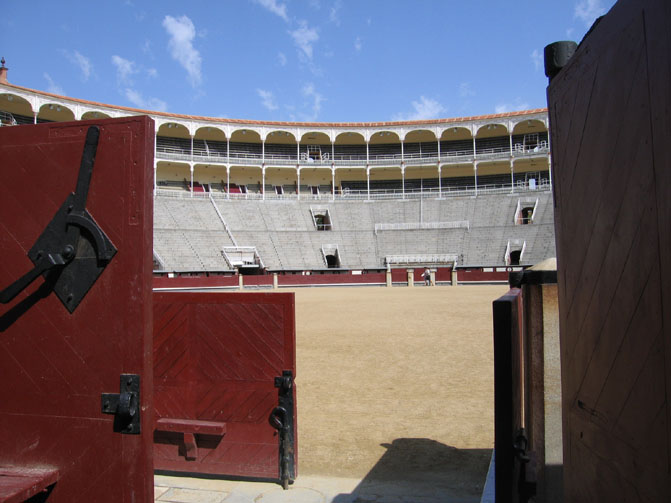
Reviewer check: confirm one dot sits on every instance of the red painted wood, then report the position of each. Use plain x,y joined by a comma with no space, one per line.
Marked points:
508,318
55,365
195,281
331,279
478,275
216,356
17,485
191,426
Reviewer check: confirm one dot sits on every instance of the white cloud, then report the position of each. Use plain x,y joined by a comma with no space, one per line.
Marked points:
150,104
52,87
588,10
304,37
334,12
84,64
275,7
425,108
152,73
124,70
357,44
315,102
465,90
537,58
281,59
267,99
81,62
182,32
503,108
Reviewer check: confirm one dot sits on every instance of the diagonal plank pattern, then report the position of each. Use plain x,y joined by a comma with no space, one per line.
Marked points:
216,357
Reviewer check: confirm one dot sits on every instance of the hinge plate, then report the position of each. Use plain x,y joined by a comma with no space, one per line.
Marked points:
125,405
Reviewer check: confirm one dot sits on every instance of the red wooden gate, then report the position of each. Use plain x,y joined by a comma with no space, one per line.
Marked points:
66,337
218,375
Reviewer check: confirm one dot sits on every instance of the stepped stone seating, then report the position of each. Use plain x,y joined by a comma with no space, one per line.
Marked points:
189,235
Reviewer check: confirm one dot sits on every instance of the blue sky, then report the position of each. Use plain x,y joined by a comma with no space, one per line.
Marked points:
293,60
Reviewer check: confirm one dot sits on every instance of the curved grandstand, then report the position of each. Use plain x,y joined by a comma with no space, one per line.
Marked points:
252,197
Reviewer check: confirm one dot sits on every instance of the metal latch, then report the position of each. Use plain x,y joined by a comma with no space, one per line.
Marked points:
527,463
125,405
73,250
282,419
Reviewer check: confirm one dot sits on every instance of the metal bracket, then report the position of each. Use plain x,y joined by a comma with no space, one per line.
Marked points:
282,419
527,462
125,405
73,250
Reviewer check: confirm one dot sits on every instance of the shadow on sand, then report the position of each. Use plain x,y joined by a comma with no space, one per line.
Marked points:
422,470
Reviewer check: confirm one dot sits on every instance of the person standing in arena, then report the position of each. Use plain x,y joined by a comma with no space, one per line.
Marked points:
427,276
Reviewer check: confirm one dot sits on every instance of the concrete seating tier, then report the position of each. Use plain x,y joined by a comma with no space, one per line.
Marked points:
189,233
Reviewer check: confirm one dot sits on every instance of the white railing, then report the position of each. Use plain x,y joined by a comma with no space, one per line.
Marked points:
228,231
450,258
354,159
458,224
520,187
237,256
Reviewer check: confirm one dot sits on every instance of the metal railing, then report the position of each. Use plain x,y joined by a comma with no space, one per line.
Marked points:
414,159
519,187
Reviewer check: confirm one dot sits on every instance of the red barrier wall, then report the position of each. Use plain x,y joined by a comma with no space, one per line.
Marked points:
195,281
332,279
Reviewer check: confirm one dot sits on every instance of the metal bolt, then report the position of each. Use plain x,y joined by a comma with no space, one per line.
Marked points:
68,252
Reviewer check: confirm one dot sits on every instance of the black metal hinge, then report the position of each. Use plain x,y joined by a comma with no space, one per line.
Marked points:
73,250
125,405
282,419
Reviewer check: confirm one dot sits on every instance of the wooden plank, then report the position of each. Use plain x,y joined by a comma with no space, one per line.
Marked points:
19,484
216,359
191,426
56,364
613,215
658,44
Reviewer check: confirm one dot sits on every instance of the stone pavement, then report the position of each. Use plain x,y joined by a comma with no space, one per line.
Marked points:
306,489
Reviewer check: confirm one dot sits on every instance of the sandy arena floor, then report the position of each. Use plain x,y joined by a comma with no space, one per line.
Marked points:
395,385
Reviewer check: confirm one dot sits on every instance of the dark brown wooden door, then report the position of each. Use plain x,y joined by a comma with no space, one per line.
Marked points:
54,364
216,360
610,124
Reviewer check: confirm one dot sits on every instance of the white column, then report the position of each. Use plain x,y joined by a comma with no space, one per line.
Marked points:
402,180
475,177
298,181
511,144
474,150
512,177
332,182
228,150
228,181
155,168
191,148
263,182
440,181
402,151
367,158
263,151
367,180
35,117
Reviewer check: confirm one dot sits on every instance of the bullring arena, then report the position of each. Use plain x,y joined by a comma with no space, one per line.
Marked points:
395,381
